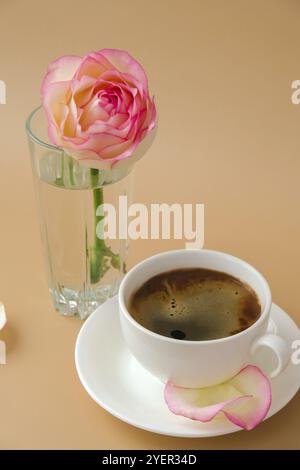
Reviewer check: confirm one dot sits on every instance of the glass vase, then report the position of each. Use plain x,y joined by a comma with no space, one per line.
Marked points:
83,268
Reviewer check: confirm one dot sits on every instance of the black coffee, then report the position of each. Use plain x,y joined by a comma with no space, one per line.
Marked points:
195,304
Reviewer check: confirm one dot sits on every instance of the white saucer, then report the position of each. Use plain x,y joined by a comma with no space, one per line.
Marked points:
118,383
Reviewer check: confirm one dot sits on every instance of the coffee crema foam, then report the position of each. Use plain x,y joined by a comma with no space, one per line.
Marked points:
195,304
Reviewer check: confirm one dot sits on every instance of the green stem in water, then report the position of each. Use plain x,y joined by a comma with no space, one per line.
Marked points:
61,180
71,171
100,252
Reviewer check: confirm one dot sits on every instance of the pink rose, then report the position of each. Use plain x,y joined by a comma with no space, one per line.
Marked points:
98,107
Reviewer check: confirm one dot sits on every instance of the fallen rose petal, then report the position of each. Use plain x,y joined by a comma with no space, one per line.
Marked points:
245,399
2,316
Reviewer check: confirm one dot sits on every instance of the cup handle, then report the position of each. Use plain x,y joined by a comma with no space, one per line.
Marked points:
279,346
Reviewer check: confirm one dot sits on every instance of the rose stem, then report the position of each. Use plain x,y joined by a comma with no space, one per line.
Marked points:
71,171
97,255
98,267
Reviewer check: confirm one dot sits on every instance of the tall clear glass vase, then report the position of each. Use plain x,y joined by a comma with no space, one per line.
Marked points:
83,268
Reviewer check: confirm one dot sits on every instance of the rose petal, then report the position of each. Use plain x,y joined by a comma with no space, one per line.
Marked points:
119,165
110,127
118,121
111,83
95,143
93,65
118,151
125,63
125,81
92,112
150,121
82,90
60,70
2,316
245,399
55,100
54,134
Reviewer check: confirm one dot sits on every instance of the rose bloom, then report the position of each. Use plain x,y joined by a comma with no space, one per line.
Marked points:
98,107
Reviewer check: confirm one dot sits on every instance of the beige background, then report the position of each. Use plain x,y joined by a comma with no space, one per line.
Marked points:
228,137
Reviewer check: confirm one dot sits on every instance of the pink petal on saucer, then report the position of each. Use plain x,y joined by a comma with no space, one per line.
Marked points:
2,316
245,399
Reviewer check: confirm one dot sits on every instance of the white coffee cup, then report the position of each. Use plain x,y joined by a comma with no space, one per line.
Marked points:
199,363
